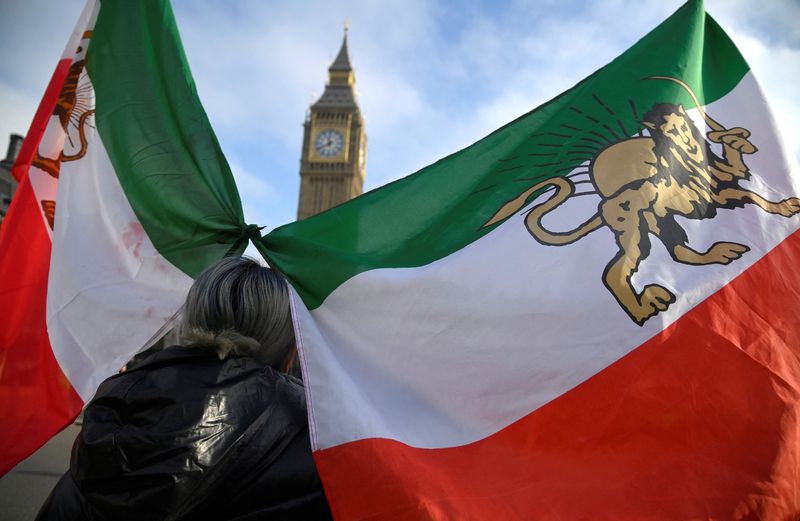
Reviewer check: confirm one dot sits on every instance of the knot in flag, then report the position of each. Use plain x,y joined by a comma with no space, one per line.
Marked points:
247,232
250,232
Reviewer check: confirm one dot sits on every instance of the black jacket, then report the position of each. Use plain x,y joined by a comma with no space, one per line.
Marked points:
185,436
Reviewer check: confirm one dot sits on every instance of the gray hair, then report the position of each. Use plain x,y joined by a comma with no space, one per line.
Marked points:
238,306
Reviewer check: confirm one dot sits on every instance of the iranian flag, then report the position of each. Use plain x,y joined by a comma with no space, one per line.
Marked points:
591,313
124,197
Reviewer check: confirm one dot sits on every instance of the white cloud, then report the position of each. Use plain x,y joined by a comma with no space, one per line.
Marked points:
254,186
768,37
777,68
390,99
15,113
256,193
773,22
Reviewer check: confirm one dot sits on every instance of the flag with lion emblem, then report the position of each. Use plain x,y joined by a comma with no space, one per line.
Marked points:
591,313
124,197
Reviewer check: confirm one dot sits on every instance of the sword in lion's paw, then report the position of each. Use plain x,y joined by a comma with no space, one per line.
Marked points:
734,137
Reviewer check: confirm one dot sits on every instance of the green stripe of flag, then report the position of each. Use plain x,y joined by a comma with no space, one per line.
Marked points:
441,208
158,137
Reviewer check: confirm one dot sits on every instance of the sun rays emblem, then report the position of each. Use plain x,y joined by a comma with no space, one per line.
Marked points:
644,183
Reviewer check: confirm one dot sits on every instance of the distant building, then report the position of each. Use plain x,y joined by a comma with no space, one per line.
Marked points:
8,185
334,155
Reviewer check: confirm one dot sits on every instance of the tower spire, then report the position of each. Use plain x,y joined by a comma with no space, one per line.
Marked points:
340,71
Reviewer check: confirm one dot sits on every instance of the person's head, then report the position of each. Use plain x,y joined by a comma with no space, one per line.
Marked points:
239,307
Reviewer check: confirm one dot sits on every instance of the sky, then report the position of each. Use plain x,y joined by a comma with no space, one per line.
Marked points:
432,76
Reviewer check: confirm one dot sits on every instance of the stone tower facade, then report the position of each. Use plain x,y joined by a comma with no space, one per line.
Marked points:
333,159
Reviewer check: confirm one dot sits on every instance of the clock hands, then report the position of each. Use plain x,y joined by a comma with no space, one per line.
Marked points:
329,143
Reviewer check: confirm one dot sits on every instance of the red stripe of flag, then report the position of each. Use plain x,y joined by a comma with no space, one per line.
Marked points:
36,399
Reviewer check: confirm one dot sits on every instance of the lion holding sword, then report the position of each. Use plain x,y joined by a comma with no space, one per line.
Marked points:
645,183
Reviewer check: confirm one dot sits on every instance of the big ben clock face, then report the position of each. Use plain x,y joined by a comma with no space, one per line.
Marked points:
329,143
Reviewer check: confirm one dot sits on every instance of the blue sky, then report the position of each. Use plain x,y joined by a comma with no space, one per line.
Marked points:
432,76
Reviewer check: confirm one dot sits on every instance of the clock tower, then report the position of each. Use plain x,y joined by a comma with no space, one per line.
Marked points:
333,159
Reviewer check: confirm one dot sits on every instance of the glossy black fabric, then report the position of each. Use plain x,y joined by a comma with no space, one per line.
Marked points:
187,436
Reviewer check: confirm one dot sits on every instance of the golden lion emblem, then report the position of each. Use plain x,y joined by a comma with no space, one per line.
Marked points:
644,183
73,109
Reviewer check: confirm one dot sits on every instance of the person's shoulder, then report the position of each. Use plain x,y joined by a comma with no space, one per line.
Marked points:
177,379
265,388
285,378
285,386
